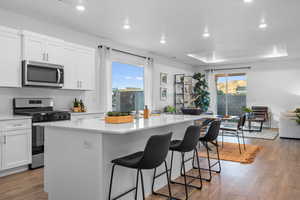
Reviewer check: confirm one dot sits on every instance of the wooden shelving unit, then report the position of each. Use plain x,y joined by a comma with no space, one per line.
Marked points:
183,91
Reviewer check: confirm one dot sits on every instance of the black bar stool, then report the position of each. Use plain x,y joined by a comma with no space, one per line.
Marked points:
211,136
188,144
236,131
154,155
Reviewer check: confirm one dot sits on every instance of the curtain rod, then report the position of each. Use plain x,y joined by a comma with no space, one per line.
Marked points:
125,52
223,69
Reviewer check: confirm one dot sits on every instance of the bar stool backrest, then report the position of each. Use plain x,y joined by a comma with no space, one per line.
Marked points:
213,131
241,122
156,151
191,138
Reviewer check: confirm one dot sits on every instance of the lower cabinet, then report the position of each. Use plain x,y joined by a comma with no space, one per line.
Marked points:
15,146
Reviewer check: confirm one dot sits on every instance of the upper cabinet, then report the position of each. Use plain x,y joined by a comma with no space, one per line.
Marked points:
78,61
79,66
10,57
15,46
42,48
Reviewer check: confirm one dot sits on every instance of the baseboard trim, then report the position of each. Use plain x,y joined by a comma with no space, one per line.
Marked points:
13,171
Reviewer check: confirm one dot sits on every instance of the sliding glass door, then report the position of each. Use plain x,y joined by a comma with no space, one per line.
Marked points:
231,93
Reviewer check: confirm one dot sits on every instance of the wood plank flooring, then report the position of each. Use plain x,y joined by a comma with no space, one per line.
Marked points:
275,175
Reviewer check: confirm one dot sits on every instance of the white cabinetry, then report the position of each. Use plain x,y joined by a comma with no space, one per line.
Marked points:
79,65
15,145
10,58
41,48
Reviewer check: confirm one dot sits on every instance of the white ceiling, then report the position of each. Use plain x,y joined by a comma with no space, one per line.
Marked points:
233,25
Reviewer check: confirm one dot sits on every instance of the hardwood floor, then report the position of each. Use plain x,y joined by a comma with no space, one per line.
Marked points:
273,176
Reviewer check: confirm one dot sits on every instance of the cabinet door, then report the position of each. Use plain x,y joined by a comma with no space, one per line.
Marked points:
86,69
70,68
10,58
1,149
54,51
34,48
16,148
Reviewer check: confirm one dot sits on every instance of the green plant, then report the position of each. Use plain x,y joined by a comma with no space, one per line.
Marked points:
298,118
116,114
247,110
76,103
170,109
202,99
297,110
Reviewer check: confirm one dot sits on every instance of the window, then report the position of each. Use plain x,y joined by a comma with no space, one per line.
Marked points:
231,93
127,87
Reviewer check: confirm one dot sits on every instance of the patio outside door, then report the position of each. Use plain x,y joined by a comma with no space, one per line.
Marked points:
231,93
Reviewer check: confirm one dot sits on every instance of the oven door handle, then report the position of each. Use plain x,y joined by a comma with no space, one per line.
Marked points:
58,75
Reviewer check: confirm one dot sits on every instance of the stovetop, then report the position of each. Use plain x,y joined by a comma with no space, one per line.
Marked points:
41,109
46,116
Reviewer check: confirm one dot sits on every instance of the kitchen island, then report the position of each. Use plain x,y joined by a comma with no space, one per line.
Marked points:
78,155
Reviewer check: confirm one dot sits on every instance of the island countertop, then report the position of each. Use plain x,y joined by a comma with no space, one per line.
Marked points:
100,126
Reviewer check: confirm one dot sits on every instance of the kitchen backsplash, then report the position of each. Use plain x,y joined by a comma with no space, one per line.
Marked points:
63,98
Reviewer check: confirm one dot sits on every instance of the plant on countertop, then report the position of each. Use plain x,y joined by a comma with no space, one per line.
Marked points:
298,118
170,109
76,103
117,114
202,99
247,110
297,110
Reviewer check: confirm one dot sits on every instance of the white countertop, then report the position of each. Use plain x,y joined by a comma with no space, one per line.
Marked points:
100,126
13,117
87,113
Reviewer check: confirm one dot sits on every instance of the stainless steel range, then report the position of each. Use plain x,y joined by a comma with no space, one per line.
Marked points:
41,110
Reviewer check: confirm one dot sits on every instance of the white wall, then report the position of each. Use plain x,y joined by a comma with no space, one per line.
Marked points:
275,84
64,98
158,104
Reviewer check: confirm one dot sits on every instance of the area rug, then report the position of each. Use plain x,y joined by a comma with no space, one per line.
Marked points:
230,152
266,133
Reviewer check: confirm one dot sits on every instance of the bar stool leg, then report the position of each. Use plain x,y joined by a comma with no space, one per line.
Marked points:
217,146
184,176
199,170
137,183
208,160
168,180
222,138
238,137
243,139
171,165
143,188
111,181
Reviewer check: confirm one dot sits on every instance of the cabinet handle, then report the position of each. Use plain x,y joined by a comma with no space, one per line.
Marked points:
18,125
80,84
4,142
47,57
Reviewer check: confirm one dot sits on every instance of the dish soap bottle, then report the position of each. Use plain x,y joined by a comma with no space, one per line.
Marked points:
146,113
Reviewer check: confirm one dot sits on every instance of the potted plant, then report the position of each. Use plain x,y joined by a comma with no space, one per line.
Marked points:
170,109
118,117
247,111
76,105
200,98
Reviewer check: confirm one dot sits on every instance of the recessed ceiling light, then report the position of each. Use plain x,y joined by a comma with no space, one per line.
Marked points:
206,34
163,39
207,60
126,25
248,1
263,24
80,7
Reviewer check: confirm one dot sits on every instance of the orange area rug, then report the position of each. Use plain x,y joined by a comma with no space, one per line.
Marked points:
230,152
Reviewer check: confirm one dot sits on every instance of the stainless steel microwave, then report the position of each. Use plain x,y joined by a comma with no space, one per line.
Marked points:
36,74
